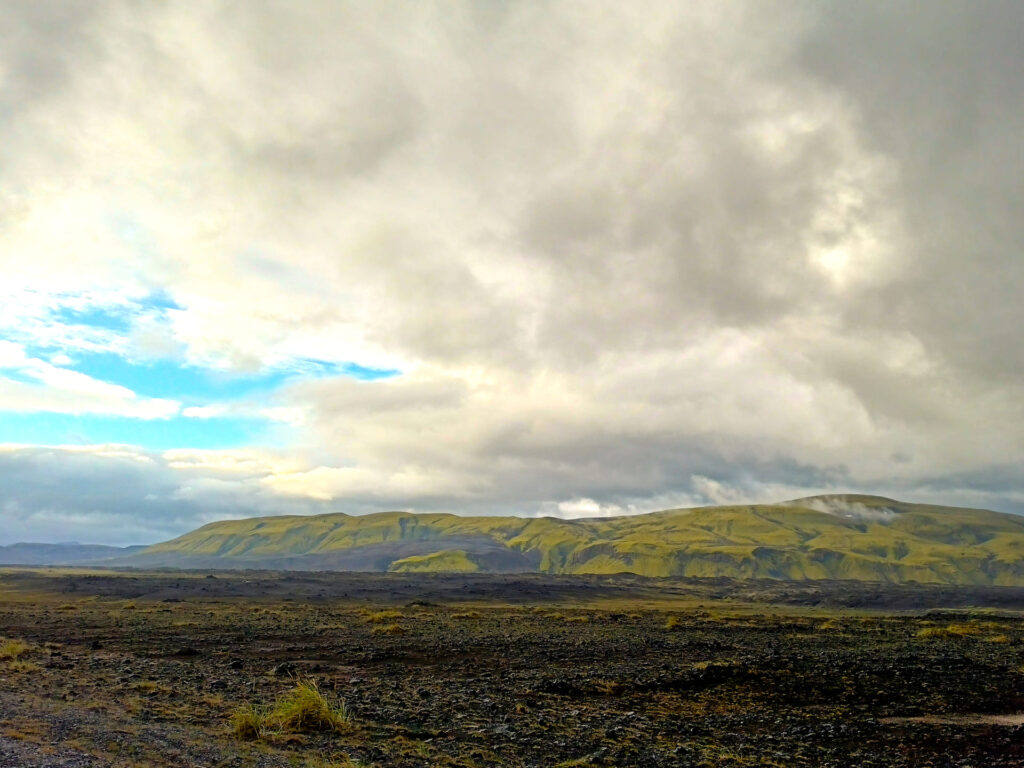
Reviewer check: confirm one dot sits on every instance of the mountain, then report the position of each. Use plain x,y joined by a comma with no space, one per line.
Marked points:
61,554
822,537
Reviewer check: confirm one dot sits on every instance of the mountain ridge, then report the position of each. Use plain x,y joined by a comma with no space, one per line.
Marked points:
64,553
846,536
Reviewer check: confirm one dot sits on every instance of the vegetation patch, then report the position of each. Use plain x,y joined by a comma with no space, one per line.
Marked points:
303,709
388,629
14,649
382,617
950,630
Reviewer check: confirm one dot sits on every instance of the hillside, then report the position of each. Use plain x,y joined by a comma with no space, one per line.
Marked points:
824,537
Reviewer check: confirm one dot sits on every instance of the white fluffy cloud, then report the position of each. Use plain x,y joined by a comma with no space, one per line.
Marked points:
625,255
42,386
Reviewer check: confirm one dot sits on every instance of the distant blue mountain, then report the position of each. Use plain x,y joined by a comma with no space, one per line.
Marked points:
61,554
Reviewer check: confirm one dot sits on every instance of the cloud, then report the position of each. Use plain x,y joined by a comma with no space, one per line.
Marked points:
33,385
122,495
852,510
621,254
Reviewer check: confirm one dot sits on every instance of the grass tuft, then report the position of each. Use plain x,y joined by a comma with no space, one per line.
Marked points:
383,616
303,709
14,649
247,723
388,629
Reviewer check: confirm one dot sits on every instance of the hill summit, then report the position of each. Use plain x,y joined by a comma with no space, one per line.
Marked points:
819,537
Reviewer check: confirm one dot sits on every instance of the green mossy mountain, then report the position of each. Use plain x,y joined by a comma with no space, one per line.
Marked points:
823,537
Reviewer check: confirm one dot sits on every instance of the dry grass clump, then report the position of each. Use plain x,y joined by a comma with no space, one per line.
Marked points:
14,649
609,687
303,709
997,639
950,630
383,616
388,629
672,622
248,723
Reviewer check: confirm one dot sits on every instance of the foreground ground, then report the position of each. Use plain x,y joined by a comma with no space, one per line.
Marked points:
135,670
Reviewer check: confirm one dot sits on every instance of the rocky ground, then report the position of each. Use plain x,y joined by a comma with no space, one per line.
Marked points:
136,670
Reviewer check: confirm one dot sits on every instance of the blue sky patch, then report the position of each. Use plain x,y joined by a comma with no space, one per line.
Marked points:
95,317
157,434
168,379
367,374
198,386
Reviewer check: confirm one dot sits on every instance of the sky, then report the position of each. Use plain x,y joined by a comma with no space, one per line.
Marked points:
537,258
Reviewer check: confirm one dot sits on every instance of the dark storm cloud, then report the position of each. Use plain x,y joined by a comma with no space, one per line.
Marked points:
940,92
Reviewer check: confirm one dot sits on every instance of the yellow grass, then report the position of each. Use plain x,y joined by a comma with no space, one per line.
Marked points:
14,649
303,709
383,616
388,629
950,630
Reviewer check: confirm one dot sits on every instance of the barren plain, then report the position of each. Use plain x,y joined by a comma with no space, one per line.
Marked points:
421,670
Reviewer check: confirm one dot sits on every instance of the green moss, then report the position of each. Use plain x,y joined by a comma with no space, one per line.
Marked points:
445,561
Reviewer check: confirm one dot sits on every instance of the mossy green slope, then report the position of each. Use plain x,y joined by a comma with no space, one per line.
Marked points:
445,561
826,537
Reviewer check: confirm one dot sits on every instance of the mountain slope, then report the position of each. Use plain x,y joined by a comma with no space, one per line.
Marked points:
60,554
823,537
